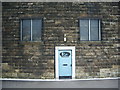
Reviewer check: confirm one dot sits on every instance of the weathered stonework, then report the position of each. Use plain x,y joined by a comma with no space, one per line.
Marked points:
27,59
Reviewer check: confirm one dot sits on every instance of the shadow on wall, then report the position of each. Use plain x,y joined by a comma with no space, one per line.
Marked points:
27,61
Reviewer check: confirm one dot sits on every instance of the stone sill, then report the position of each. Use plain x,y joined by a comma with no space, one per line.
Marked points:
30,42
91,79
91,41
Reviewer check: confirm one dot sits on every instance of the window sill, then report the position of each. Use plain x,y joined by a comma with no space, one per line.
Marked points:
30,42
90,43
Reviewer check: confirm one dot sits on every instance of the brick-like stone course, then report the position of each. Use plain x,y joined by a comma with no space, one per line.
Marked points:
27,59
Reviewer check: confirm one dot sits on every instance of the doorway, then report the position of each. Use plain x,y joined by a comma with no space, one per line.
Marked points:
65,62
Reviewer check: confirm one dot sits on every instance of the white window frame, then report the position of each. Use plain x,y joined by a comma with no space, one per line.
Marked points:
57,48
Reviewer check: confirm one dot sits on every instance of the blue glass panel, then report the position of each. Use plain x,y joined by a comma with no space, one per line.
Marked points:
84,27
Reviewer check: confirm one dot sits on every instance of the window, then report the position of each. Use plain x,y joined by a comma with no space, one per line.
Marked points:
90,29
31,29
64,54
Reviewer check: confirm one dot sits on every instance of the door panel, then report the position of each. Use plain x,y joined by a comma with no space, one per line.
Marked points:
65,63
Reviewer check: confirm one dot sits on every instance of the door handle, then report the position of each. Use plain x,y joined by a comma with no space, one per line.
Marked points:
71,65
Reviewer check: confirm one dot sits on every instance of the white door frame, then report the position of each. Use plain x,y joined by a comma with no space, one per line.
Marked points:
57,48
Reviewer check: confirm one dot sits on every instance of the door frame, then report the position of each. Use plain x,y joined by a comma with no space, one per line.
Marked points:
57,48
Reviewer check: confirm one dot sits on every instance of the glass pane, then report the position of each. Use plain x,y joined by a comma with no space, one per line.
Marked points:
26,30
84,28
94,30
64,54
36,30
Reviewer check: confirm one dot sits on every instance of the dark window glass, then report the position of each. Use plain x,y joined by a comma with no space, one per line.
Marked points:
64,54
26,30
84,27
94,30
36,30
89,29
31,30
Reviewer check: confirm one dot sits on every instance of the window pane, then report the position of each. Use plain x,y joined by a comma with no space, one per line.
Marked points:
36,30
84,28
26,30
94,29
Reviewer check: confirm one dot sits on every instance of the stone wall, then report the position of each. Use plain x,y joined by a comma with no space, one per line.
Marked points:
27,59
